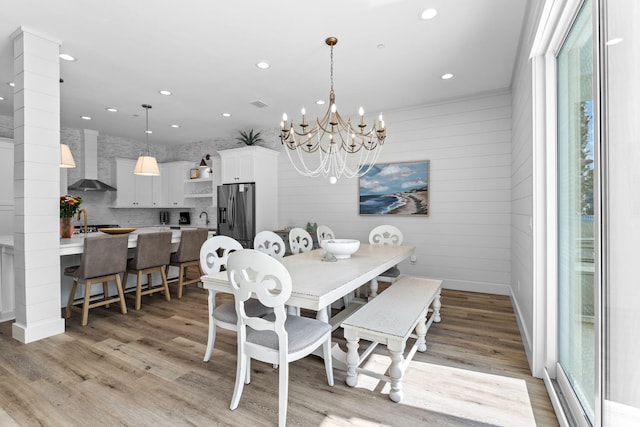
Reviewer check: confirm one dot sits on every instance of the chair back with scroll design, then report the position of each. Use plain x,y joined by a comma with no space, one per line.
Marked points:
269,243
300,240
325,233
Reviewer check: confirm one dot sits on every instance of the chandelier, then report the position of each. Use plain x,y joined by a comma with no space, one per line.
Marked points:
332,145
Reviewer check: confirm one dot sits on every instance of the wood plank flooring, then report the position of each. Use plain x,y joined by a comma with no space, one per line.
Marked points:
145,369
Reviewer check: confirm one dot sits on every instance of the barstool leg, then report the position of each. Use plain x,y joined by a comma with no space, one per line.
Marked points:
181,280
87,301
105,292
165,283
139,291
123,305
72,295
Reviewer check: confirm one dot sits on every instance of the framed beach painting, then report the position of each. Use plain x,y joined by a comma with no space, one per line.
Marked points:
395,189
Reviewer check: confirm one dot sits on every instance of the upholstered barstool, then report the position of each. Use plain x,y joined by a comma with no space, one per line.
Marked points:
188,256
103,259
152,255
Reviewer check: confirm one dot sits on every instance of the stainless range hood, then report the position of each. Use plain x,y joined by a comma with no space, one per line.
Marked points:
88,166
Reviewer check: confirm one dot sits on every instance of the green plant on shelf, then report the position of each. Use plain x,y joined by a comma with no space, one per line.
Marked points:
249,138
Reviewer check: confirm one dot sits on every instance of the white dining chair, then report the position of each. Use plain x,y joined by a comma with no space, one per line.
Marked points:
213,259
324,232
269,243
300,240
385,235
277,338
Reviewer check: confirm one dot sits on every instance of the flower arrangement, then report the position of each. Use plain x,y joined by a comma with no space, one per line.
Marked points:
69,205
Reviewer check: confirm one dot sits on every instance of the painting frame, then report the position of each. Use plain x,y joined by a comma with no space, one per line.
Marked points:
395,188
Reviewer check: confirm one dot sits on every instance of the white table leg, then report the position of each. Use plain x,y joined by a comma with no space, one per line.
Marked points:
436,308
322,314
211,301
353,360
396,370
421,332
374,288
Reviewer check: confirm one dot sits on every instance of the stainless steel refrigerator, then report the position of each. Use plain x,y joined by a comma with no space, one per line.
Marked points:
237,212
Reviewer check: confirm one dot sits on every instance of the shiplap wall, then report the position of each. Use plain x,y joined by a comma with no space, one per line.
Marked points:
522,201
466,238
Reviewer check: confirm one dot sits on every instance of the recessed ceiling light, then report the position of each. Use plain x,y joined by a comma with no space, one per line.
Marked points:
446,76
320,102
1,98
85,117
111,110
148,131
226,114
12,84
67,57
164,92
175,126
428,14
262,65
613,41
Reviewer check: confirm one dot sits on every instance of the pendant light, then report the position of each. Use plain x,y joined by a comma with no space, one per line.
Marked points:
66,158
147,165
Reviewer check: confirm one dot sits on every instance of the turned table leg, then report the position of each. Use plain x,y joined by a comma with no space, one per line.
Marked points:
421,332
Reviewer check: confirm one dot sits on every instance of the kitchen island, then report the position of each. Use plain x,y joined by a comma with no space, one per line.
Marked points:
70,254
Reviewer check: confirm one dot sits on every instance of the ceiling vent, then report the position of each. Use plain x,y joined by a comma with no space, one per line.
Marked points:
258,104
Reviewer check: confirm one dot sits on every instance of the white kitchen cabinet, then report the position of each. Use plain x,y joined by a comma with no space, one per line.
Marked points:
246,164
173,175
136,191
259,165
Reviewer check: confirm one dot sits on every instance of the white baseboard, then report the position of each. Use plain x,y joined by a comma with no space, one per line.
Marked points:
37,331
482,287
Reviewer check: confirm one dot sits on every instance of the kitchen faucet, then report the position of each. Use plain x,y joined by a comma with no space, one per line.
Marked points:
206,217
80,212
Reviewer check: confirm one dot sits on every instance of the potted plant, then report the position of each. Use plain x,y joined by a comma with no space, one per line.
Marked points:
249,138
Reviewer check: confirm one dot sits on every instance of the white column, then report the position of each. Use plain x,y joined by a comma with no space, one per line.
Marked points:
36,115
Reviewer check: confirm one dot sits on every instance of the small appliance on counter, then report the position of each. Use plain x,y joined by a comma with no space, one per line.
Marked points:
185,218
164,217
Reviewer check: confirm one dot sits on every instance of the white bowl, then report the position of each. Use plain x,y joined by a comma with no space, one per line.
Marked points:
341,248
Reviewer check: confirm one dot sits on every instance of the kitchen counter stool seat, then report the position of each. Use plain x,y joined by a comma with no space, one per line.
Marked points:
152,255
188,256
103,259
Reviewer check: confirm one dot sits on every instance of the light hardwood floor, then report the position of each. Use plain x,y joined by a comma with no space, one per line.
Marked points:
145,369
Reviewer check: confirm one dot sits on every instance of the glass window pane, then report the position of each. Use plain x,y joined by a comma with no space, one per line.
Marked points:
575,210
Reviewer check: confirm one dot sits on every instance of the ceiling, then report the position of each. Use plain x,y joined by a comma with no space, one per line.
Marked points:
205,52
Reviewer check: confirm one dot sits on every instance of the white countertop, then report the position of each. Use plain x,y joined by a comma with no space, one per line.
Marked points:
75,244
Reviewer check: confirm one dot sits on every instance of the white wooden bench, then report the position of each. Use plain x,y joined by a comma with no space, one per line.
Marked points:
390,318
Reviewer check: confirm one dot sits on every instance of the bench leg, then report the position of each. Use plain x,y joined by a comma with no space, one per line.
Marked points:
396,370
353,360
421,332
374,289
436,308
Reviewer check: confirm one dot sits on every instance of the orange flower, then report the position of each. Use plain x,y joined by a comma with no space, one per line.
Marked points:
69,205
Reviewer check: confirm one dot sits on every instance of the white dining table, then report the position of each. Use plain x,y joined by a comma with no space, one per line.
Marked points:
316,283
